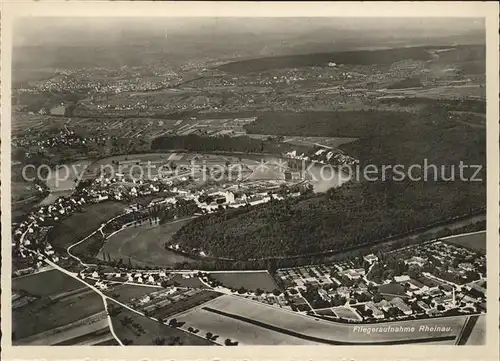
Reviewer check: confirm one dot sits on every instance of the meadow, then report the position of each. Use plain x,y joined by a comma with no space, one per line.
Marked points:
473,241
144,245
248,280
80,225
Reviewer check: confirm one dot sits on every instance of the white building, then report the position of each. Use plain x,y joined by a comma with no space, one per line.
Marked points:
377,313
371,258
402,278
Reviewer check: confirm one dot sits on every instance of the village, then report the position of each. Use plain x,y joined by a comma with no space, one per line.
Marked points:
182,188
374,289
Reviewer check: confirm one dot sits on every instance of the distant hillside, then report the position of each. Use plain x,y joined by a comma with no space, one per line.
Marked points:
363,57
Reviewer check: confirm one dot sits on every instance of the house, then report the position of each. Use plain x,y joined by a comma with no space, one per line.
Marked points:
343,292
415,260
101,198
478,290
442,300
384,305
376,312
466,266
157,201
371,258
323,294
403,278
401,305
354,274
424,306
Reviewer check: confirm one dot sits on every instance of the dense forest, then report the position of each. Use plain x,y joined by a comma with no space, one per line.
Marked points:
362,123
360,57
365,211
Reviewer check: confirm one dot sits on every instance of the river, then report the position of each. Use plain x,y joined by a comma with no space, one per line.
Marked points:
61,181
321,176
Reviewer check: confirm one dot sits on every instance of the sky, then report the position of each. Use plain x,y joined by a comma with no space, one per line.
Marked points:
74,31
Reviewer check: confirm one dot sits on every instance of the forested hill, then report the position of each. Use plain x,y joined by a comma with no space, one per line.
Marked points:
364,211
358,57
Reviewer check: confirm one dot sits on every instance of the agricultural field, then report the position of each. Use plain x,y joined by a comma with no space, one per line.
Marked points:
45,283
331,332
87,331
450,92
248,280
474,242
45,313
140,330
80,225
181,302
236,330
23,192
93,169
144,245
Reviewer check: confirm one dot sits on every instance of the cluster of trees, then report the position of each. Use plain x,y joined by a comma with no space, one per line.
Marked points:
172,341
352,123
406,83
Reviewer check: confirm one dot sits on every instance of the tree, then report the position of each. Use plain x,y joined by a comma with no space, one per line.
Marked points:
127,320
159,341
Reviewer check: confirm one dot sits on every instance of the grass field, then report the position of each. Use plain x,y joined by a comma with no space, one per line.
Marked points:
125,293
244,333
152,329
185,304
475,241
332,331
193,282
326,312
90,339
80,225
346,313
478,334
144,245
43,315
45,283
249,280
70,334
